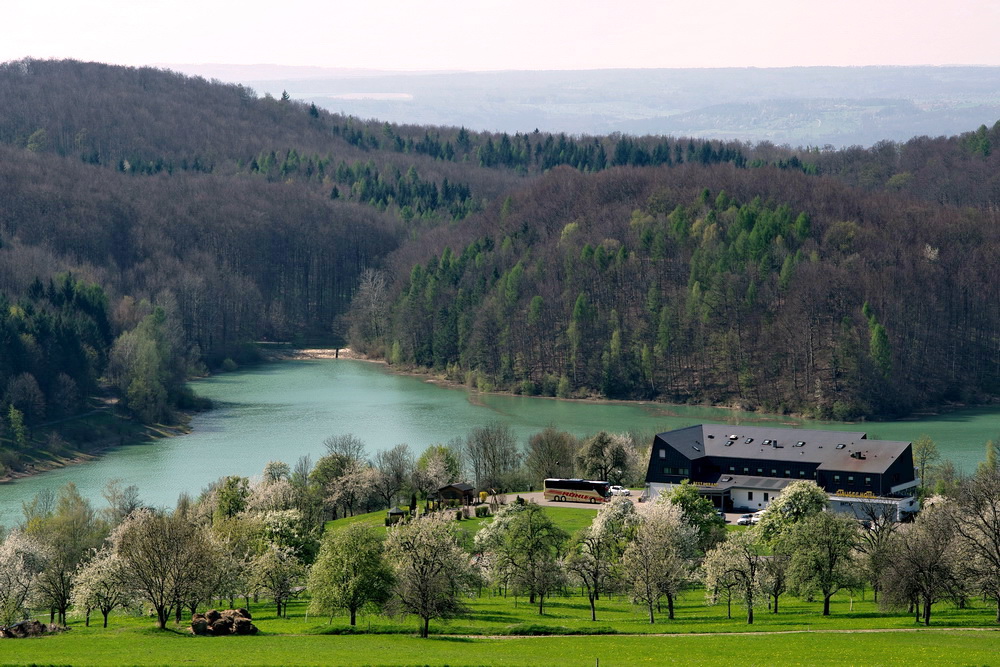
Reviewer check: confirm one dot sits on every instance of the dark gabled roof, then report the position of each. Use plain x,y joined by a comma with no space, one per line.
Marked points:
850,451
723,482
461,486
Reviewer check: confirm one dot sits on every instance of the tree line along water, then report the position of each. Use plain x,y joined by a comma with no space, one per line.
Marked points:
284,410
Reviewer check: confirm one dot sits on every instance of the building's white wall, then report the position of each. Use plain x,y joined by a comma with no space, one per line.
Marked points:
653,489
752,499
856,506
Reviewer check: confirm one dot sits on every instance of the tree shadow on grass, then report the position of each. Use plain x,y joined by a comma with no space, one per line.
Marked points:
493,616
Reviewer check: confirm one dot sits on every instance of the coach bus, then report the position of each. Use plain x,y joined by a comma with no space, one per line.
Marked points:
577,490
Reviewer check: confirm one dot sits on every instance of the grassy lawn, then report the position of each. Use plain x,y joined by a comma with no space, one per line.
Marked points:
499,630
570,519
509,631
150,647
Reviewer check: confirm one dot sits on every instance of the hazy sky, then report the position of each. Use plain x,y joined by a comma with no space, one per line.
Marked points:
505,34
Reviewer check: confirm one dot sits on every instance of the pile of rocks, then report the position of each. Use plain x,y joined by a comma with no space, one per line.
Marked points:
228,622
25,629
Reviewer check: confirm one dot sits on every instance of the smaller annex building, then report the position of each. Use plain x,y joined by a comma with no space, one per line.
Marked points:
746,467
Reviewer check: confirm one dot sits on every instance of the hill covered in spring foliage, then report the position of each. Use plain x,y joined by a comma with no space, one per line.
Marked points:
845,283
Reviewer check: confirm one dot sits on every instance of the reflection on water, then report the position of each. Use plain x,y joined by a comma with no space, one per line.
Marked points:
285,410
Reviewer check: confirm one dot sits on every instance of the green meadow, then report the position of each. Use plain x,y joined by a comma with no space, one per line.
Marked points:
502,631
499,630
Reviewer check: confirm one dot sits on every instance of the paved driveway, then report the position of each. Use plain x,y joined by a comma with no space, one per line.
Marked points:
538,497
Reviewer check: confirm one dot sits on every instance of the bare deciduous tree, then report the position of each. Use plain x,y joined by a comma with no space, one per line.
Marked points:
432,571
277,573
163,557
392,471
595,554
550,453
875,541
370,310
101,584
346,445
977,521
658,560
493,455
738,563
926,562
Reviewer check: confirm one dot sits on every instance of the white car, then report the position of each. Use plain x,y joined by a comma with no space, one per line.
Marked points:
620,491
746,520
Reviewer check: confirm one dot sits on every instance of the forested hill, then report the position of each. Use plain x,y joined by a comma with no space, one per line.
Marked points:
200,217
754,287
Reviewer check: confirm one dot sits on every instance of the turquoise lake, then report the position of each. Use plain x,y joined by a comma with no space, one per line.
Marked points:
284,410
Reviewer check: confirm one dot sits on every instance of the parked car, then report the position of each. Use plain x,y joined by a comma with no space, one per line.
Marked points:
620,491
746,520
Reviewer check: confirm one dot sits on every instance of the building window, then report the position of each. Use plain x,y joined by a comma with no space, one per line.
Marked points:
836,478
683,471
774,473
760,471
749,495
802,473
667,470
663,453
765,496
850,479
746,470
868,481
788,473
732,468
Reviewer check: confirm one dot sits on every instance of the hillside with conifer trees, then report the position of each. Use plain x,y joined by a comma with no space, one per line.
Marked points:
154,225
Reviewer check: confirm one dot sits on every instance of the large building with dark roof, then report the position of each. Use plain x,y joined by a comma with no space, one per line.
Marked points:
746,467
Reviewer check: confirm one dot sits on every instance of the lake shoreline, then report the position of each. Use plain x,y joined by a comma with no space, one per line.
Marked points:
435,378
159,431
284,411
152,433
790,418
428,376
